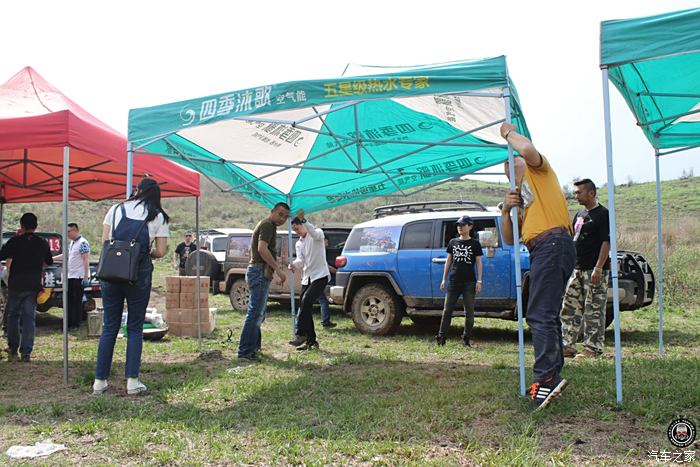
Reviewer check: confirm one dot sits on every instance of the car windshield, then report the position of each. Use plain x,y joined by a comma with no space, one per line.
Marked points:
373,239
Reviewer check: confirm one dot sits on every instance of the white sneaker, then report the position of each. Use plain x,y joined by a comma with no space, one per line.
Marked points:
99,387
134,386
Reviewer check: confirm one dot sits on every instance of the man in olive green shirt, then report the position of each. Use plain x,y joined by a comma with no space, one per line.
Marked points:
263,265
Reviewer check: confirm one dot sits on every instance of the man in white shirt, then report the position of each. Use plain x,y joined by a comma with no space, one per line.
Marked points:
78,274
311,259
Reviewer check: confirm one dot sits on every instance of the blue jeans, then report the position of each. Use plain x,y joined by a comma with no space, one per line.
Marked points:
551,263
21,307
258,290
325,309
113,296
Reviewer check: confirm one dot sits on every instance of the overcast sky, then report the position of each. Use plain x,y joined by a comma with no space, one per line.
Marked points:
113,56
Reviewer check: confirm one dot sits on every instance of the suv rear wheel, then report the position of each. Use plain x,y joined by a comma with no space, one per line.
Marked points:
376,310
238,295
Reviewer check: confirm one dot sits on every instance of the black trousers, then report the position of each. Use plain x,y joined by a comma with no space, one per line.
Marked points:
309,296
468,291
75,302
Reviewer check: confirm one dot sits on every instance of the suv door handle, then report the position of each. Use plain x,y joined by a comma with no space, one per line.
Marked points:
440,260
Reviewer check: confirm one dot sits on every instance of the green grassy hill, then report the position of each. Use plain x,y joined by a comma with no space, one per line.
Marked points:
636,206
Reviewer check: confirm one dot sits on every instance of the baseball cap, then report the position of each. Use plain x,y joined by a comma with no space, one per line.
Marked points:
465,220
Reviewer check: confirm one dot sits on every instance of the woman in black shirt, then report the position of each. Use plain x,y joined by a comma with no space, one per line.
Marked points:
462,254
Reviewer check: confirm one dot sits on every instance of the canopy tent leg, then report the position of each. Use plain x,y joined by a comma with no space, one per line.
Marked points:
129,169
516,247
290,251
199,274
64,274
660,263
613,234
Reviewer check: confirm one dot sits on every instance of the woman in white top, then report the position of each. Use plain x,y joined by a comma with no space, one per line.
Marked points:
142,218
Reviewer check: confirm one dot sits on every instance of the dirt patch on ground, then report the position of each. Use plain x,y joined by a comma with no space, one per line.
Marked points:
590,440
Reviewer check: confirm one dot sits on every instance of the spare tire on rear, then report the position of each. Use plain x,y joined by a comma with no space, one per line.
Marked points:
208,265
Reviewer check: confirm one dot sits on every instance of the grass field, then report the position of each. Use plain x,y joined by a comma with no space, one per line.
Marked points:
361,400
358,400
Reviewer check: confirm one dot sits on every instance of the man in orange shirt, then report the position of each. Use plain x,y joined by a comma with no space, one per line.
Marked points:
545,230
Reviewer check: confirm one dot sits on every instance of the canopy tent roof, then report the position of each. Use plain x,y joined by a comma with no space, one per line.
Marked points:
324,143
655,63
37,121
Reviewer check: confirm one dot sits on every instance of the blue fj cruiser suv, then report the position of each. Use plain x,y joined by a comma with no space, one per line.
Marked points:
392,266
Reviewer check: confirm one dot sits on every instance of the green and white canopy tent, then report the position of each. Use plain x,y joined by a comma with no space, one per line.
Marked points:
323,143
655,64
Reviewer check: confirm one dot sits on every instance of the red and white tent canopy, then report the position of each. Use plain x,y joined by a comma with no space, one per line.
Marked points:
37,121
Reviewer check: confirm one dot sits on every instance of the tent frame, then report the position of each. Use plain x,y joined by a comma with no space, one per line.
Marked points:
612,214
505,94
134,148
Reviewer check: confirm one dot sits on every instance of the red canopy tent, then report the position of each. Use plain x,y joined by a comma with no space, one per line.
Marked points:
37,121
51,149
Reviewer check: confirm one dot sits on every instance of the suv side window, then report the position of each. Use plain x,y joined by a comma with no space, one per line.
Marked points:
449,230
239,246
417,236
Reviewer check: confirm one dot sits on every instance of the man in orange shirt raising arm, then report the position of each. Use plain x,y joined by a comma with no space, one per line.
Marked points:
545,230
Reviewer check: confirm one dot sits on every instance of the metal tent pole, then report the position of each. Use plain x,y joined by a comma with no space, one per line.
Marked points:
64,268
199,274
613,234
290,251
516,248
129,169
660,266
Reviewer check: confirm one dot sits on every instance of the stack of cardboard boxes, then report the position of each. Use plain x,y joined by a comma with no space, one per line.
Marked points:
181,312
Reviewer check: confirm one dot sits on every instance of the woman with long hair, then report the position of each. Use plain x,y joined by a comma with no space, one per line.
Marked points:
142,218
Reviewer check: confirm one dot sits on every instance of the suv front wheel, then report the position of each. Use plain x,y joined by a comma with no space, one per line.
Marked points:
376,310
238,295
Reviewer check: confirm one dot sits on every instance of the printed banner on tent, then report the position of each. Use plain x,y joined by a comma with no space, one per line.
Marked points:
326,143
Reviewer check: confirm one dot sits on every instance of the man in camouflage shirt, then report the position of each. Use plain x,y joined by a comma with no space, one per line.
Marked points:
587,291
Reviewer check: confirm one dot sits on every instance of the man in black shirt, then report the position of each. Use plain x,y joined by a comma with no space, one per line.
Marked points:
182,252
28,253
587,290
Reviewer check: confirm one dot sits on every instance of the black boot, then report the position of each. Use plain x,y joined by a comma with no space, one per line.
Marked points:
298,340
440,339
465,341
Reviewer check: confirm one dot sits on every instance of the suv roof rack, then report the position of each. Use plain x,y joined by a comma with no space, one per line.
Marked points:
426,206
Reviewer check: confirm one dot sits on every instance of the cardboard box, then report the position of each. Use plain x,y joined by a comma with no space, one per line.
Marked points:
187,300
172,300
189,283
184,322
186,316
174,329
171,316
190,330
172,284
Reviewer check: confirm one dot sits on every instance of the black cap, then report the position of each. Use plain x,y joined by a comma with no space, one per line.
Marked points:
296,221
465,220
